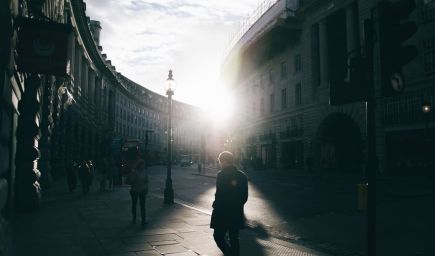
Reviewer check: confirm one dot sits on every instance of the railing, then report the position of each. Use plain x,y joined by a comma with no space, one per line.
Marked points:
407,109
276,7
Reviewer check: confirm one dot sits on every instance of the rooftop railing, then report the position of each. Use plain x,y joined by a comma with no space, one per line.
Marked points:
267,11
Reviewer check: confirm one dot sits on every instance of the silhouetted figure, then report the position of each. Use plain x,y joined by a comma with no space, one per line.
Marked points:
309,163
85,176
138,179
102,168
112,172
231,195
72,176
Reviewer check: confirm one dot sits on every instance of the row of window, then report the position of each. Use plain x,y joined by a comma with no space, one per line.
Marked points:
127,130
293,127
297,64
284,100
428,47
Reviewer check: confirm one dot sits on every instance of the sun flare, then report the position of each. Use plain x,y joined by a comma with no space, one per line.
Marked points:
218,106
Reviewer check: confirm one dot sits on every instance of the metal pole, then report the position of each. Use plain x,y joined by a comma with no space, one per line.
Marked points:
169,191
146,146
371,142
426,135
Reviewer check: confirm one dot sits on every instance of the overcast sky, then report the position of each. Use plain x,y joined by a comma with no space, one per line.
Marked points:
145,38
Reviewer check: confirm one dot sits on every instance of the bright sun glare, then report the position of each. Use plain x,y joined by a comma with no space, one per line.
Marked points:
218,105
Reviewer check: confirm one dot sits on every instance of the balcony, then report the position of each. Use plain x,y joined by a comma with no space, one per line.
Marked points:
407,109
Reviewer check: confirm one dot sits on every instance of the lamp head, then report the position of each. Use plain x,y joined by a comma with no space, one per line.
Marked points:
170,84
426,107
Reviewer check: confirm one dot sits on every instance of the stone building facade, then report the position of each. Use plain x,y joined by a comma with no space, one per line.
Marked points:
283,62
49,121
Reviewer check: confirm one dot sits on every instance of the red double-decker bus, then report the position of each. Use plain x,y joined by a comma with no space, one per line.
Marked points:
130,155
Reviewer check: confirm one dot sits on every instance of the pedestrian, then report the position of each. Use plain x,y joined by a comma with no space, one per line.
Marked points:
138,179
85,176
72,176
230,197
112,173
309,163
102,173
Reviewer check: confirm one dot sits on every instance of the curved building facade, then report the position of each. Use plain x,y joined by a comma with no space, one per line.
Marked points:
48,121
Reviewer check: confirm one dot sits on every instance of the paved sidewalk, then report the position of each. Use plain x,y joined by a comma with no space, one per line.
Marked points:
100,224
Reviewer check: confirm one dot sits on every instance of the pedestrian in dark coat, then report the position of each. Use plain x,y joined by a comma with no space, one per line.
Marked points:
85,176
138,179
72,176
230,197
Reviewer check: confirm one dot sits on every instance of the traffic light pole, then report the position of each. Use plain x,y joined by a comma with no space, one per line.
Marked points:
371,140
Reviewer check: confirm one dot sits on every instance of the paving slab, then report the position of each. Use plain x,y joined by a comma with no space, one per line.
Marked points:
169,249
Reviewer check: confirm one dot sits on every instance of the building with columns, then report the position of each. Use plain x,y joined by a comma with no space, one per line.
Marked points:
281,66
48,121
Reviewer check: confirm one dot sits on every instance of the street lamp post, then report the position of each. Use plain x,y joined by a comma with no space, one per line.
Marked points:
427,108
169,191
146,146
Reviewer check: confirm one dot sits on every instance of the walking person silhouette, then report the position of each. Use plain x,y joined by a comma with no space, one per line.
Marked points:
230,197
138,179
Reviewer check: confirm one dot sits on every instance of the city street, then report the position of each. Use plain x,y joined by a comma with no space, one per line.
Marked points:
326,106
320,211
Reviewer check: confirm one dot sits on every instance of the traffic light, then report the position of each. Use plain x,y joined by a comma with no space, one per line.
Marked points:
352,88
394,29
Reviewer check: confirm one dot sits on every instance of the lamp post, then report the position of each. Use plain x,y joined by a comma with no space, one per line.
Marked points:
146,146
169,191
427,108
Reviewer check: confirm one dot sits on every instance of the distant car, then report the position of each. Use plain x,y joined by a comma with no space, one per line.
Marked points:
186,163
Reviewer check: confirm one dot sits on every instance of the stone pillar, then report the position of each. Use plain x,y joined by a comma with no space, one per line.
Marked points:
91,86
46,129
84,79
352,30
27,188
323,49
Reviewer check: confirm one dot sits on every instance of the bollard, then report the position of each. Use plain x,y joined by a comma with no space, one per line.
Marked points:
362,196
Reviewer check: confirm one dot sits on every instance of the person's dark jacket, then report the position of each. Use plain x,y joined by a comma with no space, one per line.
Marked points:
231,195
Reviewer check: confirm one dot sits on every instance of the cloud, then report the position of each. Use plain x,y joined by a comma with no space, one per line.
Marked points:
144,38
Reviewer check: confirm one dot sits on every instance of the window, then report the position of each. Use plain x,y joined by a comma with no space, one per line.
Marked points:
262,106
283,98
428,10
315,55
298,63
272,102
298,94
283,70
429,55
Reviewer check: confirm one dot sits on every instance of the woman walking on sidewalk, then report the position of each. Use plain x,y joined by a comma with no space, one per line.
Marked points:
138,179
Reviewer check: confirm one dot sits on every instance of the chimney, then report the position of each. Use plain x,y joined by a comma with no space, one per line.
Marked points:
95,27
